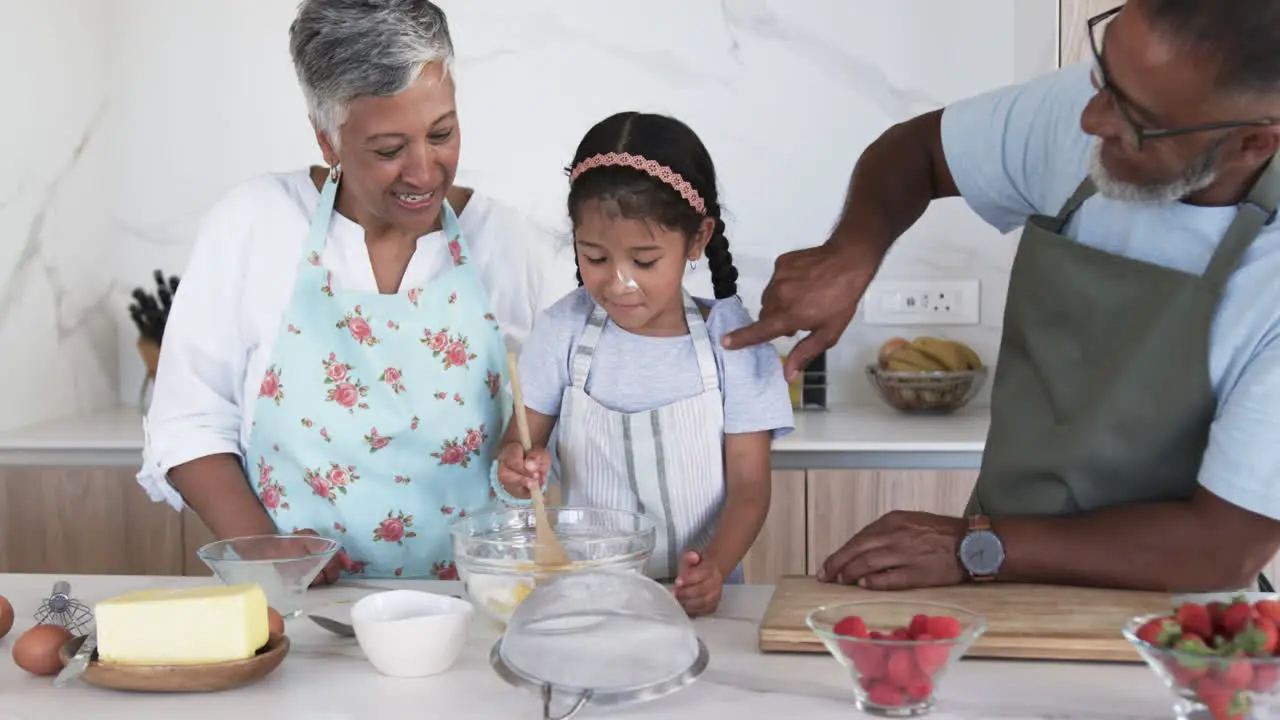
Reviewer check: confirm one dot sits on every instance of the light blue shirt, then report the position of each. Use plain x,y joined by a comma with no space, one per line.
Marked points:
635,373
1020,150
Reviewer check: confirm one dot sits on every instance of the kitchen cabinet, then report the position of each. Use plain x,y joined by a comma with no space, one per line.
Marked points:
780,548
1073,30
842,502
78,520
87,520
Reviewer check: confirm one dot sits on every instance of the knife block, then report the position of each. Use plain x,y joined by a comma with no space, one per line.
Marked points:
149,350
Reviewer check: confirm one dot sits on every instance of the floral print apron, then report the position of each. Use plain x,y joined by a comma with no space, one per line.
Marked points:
379,414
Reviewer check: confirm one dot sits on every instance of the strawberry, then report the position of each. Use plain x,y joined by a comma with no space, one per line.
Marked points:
869,659
1194,618
1192,667
1185,677
1259,639
919,626
1223,702
876,635
920,687
1237,617
1237,675
1264,678
885,695
1268,609
1216,608
944,627
1161,631
931,658
1193,644
852,626
900,634
901,668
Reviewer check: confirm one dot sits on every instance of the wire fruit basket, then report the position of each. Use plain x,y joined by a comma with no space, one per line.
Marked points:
926,392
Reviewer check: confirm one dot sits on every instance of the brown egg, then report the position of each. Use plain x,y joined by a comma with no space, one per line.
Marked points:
36,650
6,616
275,623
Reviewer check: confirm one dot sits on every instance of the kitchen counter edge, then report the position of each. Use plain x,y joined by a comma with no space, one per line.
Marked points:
842,437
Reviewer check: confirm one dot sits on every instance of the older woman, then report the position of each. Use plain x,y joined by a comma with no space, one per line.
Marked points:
333,360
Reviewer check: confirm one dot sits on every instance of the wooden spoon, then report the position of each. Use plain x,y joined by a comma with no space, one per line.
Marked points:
548,551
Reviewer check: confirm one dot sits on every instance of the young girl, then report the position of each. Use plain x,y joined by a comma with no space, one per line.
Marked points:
654,416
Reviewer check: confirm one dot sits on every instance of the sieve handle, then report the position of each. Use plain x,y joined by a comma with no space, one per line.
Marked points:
546,704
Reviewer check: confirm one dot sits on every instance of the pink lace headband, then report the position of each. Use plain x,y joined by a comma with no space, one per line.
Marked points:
661,172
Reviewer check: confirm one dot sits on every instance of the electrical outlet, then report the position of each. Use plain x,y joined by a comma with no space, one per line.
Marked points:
922,302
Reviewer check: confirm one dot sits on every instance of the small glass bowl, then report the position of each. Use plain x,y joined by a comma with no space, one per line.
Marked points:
282,565
892,677
1210,686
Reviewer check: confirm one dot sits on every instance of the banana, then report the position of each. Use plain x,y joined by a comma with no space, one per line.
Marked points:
944,352
909,358
888,348
971,358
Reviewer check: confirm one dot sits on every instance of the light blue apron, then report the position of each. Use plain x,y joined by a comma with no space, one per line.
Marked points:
379,414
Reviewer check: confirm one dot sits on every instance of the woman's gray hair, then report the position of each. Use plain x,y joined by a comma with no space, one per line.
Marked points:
343,49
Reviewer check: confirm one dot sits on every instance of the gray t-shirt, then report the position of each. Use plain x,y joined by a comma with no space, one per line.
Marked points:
635,373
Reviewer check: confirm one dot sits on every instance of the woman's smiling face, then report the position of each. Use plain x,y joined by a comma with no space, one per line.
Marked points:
399,154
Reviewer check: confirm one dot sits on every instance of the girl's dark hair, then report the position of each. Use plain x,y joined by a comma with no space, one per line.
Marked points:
636,195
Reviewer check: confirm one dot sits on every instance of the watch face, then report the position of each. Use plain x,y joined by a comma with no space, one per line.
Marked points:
981,553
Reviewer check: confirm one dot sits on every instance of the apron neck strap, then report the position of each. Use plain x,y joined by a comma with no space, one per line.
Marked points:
1255,212
1084,191
586,348
584,352
323,213
321,216
701,344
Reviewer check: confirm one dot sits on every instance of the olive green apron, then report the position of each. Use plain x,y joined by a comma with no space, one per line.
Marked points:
1101,394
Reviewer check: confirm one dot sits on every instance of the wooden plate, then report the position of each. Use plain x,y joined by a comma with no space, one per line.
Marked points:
180,678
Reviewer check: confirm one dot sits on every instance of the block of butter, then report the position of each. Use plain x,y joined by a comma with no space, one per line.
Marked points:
188,626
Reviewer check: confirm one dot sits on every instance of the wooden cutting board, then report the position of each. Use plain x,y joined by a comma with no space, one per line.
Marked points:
1023,621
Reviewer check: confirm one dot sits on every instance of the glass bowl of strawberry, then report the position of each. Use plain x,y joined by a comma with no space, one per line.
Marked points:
896,651
1219,655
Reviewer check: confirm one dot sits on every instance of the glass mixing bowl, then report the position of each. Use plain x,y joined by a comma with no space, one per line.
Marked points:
494,550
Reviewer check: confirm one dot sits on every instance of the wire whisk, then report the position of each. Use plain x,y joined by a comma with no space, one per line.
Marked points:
62,609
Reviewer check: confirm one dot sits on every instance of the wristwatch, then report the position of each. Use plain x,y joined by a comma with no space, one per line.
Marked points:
981,552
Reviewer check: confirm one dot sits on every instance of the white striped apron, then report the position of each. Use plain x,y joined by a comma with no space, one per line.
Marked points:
667,463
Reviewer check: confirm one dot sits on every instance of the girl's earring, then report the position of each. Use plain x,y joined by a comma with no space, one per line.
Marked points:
693,264
335,172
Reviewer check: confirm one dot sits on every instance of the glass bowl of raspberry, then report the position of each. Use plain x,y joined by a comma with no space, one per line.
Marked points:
896,652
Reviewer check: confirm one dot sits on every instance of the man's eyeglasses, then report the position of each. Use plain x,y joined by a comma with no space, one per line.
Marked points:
1134,134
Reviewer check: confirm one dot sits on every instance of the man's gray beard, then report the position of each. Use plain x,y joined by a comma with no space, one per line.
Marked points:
1200,174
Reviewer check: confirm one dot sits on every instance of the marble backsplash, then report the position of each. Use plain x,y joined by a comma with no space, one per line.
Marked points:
158,108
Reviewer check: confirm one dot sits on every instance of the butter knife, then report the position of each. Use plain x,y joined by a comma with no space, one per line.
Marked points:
79,662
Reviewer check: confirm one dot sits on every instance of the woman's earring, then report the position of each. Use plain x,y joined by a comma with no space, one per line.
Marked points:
693,265
335,172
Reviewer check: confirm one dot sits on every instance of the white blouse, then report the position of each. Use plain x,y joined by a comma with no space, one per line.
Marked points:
237,285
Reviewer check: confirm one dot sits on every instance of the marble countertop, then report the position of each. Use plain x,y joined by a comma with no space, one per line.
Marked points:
848,436
326,676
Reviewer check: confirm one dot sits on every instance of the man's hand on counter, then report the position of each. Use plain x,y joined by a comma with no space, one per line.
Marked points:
902,549
1204,544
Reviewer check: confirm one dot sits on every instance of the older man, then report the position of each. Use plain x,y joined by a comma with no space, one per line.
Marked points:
1135,415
